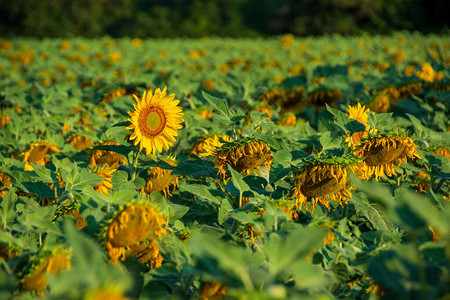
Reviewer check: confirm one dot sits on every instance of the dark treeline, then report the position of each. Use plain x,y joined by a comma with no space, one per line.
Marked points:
197,18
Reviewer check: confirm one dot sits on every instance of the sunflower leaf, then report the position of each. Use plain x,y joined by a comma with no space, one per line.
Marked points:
220,106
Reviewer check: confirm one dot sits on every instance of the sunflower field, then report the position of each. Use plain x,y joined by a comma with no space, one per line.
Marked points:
219,168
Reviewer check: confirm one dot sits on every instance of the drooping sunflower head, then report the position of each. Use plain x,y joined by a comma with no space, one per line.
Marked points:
321,180
155,121
34,277
421,182
243,156
320,97
130,227
107,158
288,120
382,152
5,184
408,89
160,180
37,153
208,146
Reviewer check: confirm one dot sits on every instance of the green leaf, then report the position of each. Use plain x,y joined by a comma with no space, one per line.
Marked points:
224,210
220,106
7,213
238,180
201,191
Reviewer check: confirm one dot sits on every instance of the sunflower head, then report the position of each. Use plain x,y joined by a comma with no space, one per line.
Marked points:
130,228
320,97
442,151
5,184
80,142
380,104
382,152
34,278
155,121
160,179
360,114
208,146
212,290
4,120
243,156
37,153
321,180
105,172
105,293
113,94
288,120
107,158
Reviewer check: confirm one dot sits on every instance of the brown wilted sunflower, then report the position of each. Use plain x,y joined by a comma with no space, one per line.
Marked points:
208,146
243,156
105,157
382,152
35,277
321,180
132,227
160,180
105,185
37,153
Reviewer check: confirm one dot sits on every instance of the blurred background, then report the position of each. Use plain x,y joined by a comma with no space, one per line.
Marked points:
234,18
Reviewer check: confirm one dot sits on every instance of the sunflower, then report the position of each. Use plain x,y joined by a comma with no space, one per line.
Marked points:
288,120
205,113
319,98
212,290
442,151
321,179
208,146
160,179
130,228
408,89
422,182
428,74
37,154
380,104
80,142
155,121
105,293
35,278
105,185
4,120
243,155
105,157
382,152
360,114
111,95
5,182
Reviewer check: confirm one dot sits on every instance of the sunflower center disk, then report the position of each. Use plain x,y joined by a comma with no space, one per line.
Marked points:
380,155
153,121
324,187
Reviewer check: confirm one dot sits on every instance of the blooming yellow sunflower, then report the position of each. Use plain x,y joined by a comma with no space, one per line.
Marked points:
105,293
160,179
321,180
442,151
155,121
35,276
38,154
4,120
130,228
358,113
288,120
427,73
243,156
208,146
5,184
382,152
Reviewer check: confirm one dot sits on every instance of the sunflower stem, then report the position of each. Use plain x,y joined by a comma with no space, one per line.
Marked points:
134,166
438,186
345,211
